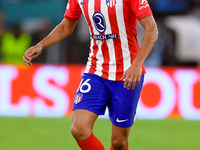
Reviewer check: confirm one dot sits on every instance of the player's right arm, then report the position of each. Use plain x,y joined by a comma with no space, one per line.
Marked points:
61,31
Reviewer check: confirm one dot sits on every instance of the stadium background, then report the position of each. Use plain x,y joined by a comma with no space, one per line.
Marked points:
36,102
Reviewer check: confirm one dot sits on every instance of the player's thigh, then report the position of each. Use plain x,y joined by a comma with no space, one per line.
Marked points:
83,119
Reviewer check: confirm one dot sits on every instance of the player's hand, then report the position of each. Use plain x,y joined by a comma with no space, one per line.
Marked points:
31,53
132,76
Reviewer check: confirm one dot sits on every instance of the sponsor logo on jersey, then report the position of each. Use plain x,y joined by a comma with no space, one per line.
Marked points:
143,2
78,98
99,22
110,3
105,37
82,3
100,26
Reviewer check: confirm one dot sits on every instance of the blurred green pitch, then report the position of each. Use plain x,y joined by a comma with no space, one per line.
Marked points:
54,134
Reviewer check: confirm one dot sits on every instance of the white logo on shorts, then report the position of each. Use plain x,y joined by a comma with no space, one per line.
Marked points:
121,120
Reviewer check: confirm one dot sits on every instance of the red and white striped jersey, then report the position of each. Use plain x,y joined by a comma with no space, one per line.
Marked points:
113,28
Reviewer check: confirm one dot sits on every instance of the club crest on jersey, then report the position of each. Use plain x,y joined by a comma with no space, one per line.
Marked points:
78,98
111,3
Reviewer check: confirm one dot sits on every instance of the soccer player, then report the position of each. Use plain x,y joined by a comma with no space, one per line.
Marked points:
114,72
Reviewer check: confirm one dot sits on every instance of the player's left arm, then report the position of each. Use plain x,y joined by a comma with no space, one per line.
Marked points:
133,73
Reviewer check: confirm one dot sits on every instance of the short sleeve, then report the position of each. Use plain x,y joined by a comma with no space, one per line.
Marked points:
73,11
140,8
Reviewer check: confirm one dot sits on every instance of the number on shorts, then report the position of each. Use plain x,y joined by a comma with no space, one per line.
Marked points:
84,84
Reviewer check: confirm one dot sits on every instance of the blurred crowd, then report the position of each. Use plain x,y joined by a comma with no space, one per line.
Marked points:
178,43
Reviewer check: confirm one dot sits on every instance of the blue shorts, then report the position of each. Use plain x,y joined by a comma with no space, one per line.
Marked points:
95,94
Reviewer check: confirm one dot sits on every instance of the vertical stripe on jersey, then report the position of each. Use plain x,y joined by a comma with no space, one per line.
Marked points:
106,57
104,47
133,48
99,54
86,15
123,36
91,65
117,43
112,60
